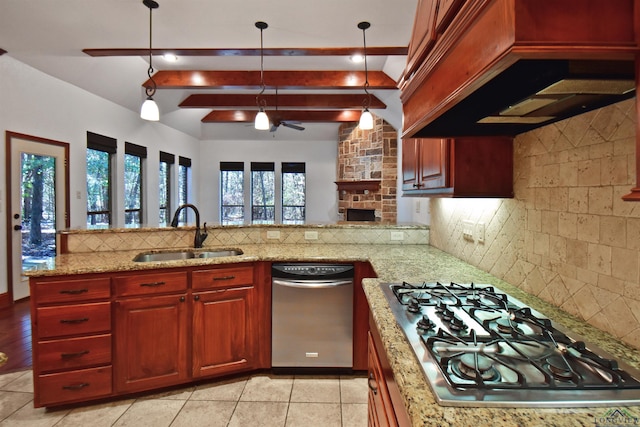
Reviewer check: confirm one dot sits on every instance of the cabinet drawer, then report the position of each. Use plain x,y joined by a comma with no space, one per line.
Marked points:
73,319
222,277
72,290
73,386
148,284
74,353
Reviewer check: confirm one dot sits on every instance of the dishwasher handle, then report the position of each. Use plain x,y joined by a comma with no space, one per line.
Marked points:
312,284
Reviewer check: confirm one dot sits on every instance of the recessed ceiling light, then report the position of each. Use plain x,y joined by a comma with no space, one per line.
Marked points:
357,58
170,57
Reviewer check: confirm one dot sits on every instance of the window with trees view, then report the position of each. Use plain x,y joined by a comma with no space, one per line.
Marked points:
101,151
263,200
290,193
184,171
133,183
293,193
164,185
231,193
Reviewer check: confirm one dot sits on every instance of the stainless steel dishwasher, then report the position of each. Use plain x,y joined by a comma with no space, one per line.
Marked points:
312,317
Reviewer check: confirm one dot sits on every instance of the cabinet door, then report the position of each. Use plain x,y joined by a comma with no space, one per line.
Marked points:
423,36
434,162
410,164
380,406
224,331
151,342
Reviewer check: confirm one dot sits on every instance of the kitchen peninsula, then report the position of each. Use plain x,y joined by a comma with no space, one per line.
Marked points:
391,263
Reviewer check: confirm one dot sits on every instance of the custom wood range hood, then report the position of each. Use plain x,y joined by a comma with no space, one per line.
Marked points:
503,67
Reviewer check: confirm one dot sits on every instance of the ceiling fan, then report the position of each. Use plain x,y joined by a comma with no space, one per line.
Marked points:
276,121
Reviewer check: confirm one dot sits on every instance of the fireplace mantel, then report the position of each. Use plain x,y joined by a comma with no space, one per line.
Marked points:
371,185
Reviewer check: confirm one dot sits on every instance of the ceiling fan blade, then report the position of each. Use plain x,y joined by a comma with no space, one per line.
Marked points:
274,127
292,126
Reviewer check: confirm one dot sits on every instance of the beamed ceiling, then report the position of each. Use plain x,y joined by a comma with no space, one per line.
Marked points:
103,47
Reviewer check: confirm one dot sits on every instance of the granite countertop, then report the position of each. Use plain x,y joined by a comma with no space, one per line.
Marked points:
394,263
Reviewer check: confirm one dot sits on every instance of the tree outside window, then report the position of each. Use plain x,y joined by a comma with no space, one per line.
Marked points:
101,151
293,193
231,193
263,199
133,184
164,184
184,171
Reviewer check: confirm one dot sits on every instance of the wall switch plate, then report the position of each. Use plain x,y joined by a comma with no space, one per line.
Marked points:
467,230
273,234
397,235
310,235
480,228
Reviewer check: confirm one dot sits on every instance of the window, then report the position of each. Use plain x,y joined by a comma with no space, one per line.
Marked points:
184,171
133,184
164,184
101,152
231,193
263,207
293,193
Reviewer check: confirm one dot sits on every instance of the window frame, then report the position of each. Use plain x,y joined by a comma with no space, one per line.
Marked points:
261,167
134,150
292,168
232,167
105,144
165,203
184,177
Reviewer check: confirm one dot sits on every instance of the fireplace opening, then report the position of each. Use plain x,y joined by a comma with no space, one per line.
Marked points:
361,214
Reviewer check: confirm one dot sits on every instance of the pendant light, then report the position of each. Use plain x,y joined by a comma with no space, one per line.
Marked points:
149,110
366,119
262,120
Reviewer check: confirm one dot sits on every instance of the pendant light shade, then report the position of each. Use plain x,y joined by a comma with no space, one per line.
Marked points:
366,118
149,110
262,120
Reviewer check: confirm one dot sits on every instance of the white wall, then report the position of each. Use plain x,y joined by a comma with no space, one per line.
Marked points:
39,105
320,158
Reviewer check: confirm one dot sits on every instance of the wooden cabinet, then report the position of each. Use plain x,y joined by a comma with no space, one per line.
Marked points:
71,339
423,35
225,319
151,342
386,406
460,167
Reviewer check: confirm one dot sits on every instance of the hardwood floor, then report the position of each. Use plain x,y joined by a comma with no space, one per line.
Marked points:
15,336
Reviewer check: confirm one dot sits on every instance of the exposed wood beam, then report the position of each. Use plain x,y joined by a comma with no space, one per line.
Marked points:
230,116
192,79
323,51
2,52
317,101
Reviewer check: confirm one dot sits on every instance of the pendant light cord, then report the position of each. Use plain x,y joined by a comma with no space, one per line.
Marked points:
150,90
259,101
363,26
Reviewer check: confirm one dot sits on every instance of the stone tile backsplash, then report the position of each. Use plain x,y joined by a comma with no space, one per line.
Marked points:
158,238
567,236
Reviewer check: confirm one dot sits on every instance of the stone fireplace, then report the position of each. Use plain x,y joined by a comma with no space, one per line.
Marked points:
368,169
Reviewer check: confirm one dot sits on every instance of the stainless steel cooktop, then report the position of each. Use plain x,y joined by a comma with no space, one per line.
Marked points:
479,346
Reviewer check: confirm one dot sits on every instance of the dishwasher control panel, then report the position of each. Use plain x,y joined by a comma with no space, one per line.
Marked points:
315,270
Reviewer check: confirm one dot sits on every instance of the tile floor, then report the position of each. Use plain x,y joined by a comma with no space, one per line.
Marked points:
259,400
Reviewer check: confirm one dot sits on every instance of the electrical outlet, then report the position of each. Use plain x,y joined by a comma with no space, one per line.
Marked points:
310,235
397,235
467,230
273,234
480,228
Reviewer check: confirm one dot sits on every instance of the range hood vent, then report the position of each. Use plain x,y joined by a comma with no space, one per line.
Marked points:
534,93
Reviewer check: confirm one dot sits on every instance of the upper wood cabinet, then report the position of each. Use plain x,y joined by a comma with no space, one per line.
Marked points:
423,35
460,167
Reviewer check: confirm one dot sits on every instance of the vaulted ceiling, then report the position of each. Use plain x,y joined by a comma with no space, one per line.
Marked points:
102,47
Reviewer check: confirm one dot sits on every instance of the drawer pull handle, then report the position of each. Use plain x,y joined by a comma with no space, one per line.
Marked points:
75,386
373,389
152,284
74,291
224,278
74,321
72,355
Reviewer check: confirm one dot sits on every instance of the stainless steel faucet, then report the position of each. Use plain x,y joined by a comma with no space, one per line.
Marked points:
199,238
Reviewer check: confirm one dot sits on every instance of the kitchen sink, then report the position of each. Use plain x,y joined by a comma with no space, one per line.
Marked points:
185,254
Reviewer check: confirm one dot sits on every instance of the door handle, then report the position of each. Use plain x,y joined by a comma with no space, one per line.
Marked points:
17,227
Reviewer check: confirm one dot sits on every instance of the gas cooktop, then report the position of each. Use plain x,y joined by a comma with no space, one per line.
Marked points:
479,346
